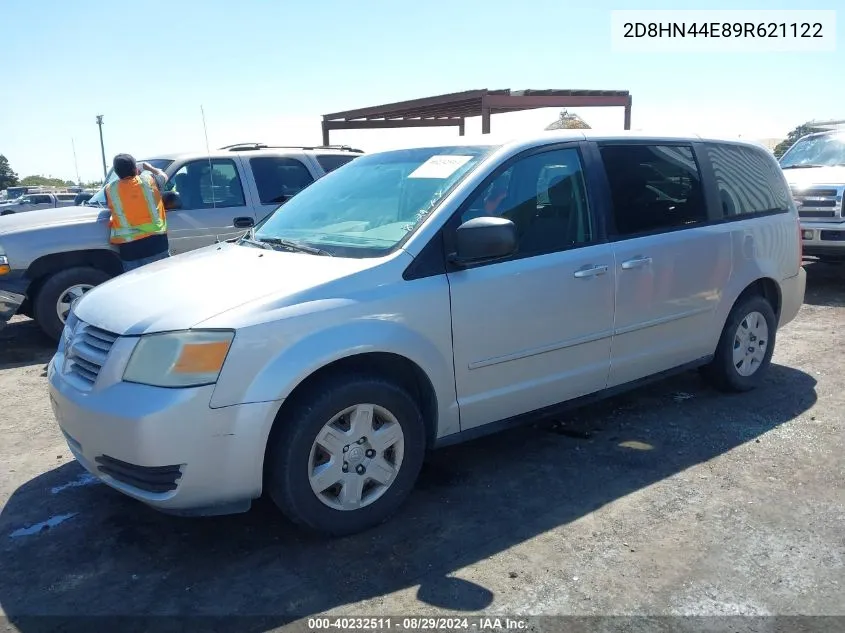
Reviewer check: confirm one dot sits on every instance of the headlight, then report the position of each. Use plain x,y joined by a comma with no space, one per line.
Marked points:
4,263
179,359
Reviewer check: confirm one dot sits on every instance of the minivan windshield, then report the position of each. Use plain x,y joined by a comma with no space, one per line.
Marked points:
368,206
826,150
99,198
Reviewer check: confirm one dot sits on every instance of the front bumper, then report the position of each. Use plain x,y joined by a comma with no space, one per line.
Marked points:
10,302
165,447
13,288
823,239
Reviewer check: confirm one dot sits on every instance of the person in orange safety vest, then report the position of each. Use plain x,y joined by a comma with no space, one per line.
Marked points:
138,225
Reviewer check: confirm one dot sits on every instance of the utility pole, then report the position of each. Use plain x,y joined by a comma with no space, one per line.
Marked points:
75,164
102,147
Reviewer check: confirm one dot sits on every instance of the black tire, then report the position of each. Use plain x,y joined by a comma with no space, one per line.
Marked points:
290,448
721,372
46,315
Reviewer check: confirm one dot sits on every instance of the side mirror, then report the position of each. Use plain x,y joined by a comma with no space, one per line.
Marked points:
483,239
171,200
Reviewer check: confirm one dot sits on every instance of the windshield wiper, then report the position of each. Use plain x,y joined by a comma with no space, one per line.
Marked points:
803,166
295,246
263,245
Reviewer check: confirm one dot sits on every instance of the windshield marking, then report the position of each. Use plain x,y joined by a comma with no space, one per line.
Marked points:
439,166
371,205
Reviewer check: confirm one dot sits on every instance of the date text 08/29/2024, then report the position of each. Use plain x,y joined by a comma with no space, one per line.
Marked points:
480,623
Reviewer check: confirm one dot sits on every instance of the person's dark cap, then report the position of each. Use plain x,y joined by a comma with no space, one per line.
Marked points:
124,166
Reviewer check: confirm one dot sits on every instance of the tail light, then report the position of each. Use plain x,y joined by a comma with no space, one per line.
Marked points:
800,244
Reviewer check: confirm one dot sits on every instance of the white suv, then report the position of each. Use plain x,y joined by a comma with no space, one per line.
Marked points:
419,297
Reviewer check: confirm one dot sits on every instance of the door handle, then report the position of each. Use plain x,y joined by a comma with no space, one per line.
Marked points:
243,222
637,262
589,271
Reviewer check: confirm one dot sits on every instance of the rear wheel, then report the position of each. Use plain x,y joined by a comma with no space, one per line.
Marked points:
52,304
745,347
348,454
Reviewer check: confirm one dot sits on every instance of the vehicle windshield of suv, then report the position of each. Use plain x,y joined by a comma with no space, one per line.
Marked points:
369,206
99,198
827,150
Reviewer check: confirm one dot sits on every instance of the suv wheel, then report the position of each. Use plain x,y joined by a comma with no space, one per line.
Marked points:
54,298
745,347
347,456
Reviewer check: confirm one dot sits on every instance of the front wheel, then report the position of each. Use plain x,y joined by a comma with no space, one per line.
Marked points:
745,347
53,301
347,456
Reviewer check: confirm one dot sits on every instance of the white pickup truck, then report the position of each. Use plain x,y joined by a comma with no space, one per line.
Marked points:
37,201
815,169
49,258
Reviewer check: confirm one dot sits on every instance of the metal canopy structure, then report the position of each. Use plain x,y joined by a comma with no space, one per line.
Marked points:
453,109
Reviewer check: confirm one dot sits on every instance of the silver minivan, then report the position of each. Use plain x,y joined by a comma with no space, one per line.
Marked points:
419,297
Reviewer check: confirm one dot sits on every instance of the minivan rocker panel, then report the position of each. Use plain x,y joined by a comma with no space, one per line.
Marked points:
417,297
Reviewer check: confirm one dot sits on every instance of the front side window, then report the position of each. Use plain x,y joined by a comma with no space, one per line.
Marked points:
99,198
370,206
201,185
545,196
825,150
653,187
749,181
279,179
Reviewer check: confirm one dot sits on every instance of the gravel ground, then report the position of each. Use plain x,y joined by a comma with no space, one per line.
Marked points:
672,500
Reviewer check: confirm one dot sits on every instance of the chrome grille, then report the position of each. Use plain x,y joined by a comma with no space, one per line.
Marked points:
819,203
86,352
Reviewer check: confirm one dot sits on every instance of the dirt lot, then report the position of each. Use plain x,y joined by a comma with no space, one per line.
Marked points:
671,500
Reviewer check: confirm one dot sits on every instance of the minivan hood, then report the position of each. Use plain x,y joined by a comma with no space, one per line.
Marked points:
25,220
180,292
804,177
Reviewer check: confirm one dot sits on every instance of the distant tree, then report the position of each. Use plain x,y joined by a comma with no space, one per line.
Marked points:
8,178
794,135
44,181
568,121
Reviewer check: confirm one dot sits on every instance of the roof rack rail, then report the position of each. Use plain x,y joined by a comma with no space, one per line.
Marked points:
245,147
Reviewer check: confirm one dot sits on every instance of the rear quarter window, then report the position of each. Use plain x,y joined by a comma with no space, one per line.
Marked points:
749,181
330,162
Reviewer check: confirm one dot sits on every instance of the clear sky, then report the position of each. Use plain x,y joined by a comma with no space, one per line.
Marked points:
265,70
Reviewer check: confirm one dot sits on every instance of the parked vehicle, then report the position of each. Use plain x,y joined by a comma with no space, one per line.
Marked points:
83,196
17,192
393,307
56,255
37,202
815,169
